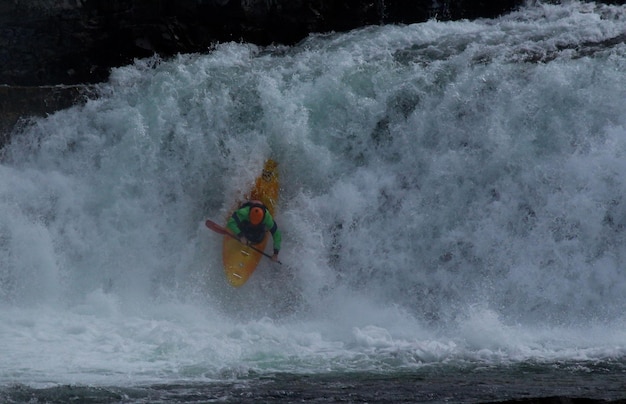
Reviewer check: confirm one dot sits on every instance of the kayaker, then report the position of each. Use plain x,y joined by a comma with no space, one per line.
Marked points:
250,222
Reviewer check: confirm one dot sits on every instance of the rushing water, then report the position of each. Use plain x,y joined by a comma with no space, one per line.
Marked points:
452,205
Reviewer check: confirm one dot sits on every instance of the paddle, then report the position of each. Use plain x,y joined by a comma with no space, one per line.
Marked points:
219,229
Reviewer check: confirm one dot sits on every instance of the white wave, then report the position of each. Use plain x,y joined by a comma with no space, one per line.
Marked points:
450,192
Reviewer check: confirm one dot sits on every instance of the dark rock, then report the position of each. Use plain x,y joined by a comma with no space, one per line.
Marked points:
48,42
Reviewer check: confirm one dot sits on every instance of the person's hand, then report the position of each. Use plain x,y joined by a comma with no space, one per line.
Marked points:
243,240
275,257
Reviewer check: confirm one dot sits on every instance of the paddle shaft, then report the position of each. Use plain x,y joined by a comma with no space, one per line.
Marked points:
219,229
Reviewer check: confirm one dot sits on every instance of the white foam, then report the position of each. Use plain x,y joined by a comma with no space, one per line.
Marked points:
450,192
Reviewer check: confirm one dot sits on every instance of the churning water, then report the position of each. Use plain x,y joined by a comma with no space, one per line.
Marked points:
453,199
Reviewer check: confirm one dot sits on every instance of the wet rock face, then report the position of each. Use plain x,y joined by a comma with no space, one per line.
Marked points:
74,43
48,42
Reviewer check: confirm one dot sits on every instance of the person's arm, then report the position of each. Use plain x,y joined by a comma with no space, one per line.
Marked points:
234,221
276,235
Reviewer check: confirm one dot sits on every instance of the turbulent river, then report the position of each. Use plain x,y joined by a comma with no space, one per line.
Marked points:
453,210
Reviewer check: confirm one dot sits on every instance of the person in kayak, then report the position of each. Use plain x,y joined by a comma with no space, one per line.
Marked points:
250,222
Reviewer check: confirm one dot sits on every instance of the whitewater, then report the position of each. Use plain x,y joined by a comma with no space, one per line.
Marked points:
452,205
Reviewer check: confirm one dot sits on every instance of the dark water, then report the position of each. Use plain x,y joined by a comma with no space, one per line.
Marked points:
554,383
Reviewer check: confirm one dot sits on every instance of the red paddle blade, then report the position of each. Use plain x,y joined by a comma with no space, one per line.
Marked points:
215,227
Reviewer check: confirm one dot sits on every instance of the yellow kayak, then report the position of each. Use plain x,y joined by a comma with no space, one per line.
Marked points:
239,260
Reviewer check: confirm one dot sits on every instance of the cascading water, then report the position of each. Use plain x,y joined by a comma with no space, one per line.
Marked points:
451,194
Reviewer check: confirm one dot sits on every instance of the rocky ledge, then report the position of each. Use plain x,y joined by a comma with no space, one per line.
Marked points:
56,45
50,42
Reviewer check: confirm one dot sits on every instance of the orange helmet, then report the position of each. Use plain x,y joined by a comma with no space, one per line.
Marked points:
256,215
